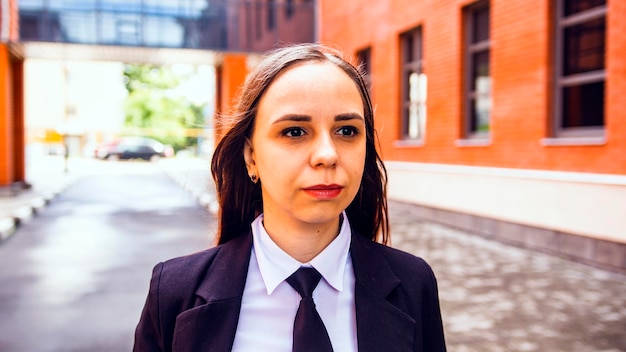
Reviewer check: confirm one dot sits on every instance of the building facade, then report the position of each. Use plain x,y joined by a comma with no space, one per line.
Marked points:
503,117
256,26
12,134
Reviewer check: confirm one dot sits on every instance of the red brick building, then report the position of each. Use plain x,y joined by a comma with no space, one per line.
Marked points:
504,117
12,168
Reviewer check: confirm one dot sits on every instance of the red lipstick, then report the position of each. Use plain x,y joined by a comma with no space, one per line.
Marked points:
324,192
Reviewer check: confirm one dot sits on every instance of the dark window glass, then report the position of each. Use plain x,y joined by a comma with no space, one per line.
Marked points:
406,82
583,105
584,47
480,27
365,61
474,116
29,27
575,6
271,14
258,20
481,67
408,48
364,57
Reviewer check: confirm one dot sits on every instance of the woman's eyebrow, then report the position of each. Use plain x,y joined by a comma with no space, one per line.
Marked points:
307,118
292,117
349,116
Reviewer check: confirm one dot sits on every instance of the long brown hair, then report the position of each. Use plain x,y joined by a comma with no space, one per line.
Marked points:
240,200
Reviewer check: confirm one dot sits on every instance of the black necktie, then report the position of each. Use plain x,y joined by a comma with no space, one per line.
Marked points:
309,332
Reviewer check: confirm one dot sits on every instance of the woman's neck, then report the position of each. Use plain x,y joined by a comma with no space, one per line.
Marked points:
301,241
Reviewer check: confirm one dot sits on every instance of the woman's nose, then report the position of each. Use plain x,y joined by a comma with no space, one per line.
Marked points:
324,153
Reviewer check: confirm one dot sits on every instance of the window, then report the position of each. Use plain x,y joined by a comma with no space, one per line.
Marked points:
477,89
271,14
413,82
289,6
580,68
365,61
258,20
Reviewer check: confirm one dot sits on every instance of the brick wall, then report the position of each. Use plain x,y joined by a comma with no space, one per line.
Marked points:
231,74
6,120
19,130
521,55
616,83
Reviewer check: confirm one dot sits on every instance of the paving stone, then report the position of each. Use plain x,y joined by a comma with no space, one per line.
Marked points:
496,297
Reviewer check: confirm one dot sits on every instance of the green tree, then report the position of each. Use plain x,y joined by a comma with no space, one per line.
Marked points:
152,110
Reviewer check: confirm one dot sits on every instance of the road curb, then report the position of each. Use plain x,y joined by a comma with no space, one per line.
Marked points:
9,223
7,228
198,190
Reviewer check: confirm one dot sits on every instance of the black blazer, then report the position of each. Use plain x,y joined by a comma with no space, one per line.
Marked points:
194,301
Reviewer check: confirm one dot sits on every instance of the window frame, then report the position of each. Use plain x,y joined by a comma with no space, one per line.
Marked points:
416,34
561,81
470,49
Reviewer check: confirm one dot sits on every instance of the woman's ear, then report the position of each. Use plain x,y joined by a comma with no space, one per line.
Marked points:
248,157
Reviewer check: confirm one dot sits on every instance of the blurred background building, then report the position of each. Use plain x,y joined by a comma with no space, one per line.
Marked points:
61,61
500,117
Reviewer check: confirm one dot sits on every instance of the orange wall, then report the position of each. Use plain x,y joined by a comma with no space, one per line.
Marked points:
520,57
19,132
6,120
231,74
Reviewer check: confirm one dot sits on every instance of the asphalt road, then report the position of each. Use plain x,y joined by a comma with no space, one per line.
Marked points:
75,277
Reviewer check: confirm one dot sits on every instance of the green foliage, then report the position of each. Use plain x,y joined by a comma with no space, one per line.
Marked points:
149,77
154,111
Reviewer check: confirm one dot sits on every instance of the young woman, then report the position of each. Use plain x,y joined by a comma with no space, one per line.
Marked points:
301,188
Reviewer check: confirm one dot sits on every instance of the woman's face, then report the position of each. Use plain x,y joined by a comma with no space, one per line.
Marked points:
308,146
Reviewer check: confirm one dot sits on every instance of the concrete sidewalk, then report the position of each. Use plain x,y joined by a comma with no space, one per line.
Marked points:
47,177
194,176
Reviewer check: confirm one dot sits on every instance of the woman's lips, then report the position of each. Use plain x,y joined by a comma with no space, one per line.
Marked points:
324,191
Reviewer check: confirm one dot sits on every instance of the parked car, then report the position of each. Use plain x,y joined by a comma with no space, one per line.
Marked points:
134,148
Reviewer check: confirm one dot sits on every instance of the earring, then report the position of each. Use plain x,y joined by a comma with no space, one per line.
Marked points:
253,178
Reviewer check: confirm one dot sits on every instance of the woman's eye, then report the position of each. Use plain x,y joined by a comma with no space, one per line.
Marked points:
347,131
294,132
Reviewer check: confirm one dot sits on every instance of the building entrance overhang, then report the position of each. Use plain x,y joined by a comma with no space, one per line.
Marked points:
127,54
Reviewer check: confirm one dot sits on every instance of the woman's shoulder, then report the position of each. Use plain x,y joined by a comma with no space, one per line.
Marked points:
189,264
403,259
187,267
184,272
402,263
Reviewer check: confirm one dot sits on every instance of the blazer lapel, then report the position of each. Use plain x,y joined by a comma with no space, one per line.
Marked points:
211,325
381,325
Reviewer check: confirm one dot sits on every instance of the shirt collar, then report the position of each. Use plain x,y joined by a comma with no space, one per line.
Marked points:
276,265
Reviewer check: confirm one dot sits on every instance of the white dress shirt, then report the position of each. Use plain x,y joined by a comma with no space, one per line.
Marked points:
269,303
